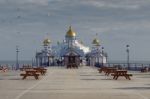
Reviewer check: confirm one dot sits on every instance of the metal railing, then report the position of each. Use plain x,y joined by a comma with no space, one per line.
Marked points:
132,66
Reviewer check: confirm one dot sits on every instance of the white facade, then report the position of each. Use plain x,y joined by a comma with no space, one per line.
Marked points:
96,57
71,46
46,56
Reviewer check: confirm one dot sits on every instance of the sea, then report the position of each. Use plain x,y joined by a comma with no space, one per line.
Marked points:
13,63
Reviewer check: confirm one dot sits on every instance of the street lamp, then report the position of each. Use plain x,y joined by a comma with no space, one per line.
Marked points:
127,50
17,60
102,55
106,55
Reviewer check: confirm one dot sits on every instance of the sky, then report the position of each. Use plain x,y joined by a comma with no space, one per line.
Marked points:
27,23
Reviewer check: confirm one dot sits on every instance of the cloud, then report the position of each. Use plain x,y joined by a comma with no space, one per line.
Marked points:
38,2
116,21
22,2
116,4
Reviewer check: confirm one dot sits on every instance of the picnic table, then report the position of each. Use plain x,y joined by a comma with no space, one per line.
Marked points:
41,70
30,73
105,69
118,73
26,68
110,70
102,69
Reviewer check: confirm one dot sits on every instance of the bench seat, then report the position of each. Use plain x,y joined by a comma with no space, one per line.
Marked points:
121,74
127,76
42,71
25,75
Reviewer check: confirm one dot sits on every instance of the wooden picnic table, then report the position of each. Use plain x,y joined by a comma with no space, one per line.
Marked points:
102,69
30,73
118,73
110,70
41,70
26,68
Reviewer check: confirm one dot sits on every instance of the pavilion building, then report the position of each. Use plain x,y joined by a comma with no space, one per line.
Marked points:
97,56
70,53
46,56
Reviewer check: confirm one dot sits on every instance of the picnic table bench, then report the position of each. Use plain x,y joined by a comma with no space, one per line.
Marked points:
42,71
26,68
105,69
30,73
118,73
102,69
110,70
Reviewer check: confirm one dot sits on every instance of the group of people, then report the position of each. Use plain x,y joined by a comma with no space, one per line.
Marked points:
145,69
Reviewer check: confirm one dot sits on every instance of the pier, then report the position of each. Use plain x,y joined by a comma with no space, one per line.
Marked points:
82,83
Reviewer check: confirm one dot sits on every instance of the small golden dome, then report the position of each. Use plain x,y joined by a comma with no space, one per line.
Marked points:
46,42
96,42
70,33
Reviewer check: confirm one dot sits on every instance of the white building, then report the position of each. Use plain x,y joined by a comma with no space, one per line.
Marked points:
46,56
70,52
97,56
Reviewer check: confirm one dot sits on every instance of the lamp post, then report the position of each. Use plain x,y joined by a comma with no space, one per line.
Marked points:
128,57
106,55
17,60
102,55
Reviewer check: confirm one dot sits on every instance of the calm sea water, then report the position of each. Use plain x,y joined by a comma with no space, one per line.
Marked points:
13,63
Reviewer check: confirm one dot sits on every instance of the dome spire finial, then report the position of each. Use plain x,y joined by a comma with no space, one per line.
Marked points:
96,34
70,27
96,42
70,32
46,41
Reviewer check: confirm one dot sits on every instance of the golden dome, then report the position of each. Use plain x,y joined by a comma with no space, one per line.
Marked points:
96,42
70,33
46,42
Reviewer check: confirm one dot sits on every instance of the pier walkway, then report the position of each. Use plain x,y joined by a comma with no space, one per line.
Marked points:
82,83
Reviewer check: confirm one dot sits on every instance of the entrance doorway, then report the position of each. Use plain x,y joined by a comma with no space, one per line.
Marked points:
71,60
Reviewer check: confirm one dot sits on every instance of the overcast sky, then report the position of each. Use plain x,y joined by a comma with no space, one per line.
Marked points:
118,23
